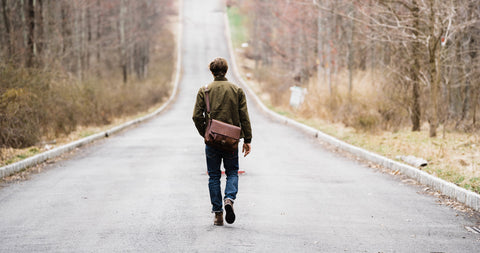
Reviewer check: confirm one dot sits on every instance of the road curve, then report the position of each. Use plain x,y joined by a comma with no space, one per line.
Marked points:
145,190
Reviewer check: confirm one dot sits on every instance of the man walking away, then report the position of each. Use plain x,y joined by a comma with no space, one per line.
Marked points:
227,104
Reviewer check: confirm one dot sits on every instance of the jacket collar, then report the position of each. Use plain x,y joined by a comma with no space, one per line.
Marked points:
222,78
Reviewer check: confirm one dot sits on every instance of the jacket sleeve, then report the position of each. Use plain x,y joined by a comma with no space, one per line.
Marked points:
199,113
244,118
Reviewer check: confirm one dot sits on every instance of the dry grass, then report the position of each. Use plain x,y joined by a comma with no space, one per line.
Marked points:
454,157
12,155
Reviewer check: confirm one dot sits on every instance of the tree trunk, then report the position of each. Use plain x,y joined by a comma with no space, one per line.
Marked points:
351,52
89,37
65,29
123,50
415,107
434,73
31,33
335,45
6,20
319,62
77,43
99,31
40,41
466,101
433,119
328,58
83,40
414,72
474,105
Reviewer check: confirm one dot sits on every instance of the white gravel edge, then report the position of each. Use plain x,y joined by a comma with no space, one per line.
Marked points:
460,194
44,156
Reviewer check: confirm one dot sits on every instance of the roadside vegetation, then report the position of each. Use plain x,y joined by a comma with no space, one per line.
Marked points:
69,69
394,78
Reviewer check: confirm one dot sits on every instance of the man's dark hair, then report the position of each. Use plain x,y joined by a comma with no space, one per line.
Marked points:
218,67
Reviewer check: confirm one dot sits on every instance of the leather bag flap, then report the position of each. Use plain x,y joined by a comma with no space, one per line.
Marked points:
222,128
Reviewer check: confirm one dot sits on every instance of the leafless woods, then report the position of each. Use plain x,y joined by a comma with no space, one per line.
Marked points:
422,55
81,35
65,63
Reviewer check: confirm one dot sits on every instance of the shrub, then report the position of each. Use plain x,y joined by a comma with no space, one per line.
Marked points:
36,104
365,121
18,118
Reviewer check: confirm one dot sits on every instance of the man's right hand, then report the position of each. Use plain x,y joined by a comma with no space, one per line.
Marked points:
247,147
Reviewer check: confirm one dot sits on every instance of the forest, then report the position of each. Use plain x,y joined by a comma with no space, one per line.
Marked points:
371,64
65,64
399,78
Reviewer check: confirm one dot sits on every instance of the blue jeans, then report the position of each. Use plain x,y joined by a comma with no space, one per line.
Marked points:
230,163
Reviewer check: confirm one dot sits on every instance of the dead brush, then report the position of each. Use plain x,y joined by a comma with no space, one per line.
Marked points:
274,83
375,116
44,104
366,107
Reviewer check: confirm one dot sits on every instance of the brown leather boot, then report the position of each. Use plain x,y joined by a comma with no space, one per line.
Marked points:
218,221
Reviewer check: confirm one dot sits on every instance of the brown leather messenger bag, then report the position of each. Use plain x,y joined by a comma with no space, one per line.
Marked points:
219,134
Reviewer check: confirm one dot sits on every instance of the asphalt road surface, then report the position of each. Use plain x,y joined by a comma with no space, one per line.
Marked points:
145,189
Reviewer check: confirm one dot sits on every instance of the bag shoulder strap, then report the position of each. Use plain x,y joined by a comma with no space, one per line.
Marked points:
207,99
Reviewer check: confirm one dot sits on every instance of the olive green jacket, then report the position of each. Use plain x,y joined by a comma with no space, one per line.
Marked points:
227,104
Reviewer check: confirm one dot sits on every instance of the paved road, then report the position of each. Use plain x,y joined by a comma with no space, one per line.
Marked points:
145,190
